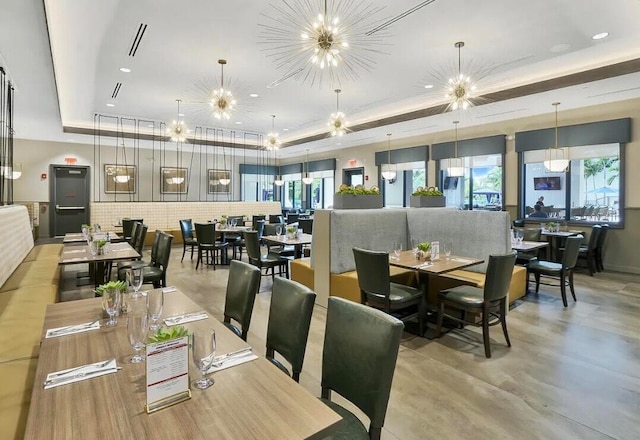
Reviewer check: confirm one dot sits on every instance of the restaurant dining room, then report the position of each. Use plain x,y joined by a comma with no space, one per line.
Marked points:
319,219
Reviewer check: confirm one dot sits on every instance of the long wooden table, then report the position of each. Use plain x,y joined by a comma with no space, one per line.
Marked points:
254,400
283,240
80,254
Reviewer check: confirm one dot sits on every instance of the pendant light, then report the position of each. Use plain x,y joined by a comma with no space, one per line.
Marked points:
460,87
338,120
556,160
177,130
307,180
389,173
222,102
456,165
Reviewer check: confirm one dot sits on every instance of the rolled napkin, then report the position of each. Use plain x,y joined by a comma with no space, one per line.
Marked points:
231,360
169,289
76,374
72,329
182,319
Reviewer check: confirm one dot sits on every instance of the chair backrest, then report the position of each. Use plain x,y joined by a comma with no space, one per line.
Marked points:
141,236
595,236
571,251
603,234
359,356
242,287
186,227
373,272
253,245
133,240
238,218
289,321
306,224
164,250
127,225
154,247
498,276
277,218
205,233
259,228
518,223
270,229
255,219
532,234
292,218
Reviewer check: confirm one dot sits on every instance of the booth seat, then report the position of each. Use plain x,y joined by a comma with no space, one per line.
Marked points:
29,278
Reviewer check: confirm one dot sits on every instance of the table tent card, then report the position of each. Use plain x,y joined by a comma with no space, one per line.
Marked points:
167,373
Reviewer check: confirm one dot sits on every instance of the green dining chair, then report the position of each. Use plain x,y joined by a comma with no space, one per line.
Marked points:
289,321
156,272
242,287
358,361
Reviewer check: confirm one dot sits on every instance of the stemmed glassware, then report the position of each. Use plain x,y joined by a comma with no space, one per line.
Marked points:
134,278
155,303
137,327
447,249
279,231
233,222
203,351
111,299
397,249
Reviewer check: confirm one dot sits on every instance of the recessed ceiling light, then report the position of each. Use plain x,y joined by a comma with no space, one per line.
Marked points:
339,143
254,95
429,86
181,114
238,122
600,36
110,105
285,129
125,69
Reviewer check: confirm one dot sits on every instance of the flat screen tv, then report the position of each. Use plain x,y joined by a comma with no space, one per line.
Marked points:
546,183
450,182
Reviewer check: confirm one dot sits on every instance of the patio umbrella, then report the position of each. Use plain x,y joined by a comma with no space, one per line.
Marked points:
603,190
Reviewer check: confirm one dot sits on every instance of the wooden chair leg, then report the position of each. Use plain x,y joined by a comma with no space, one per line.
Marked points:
440,318
591,262
537,277
503,321
573,292
184,250
192,252
485,331
563,289
199,258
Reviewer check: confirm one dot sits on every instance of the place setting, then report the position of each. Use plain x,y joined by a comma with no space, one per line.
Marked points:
80,373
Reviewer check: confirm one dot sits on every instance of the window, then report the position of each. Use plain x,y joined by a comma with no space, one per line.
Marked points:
588,192
257,188
479,188
409,176
292,191
322,189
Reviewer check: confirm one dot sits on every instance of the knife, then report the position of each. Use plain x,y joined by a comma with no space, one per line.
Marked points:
72,328
57,380
225,357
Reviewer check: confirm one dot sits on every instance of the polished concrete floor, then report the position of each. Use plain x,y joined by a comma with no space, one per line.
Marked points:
571,373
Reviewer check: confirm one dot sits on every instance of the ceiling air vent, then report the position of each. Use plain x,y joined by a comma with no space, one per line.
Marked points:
116,90
136,41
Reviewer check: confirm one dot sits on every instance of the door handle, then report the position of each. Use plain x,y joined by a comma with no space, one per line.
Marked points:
69,208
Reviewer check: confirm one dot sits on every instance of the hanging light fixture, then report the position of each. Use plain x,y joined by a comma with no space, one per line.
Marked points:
460,87
273,141
456,165
222,102
338,121
11,172
556,160
272,138
390,172
307,180
224,180
177,130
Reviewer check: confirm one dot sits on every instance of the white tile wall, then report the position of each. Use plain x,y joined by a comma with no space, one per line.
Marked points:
16,238
166,215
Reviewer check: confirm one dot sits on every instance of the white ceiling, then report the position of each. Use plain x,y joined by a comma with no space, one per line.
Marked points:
516,42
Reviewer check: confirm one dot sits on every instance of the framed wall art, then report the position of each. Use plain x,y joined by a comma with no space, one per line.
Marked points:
173,180
216,179
119,179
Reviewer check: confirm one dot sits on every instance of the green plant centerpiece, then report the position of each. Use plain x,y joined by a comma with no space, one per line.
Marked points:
291,232
358,190
357,197
422,251
164,334
552,226
119,285
427,197
429,191
223,221
98,246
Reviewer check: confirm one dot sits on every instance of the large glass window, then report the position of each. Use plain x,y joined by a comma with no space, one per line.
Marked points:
588,192
292,191
322,189
257,188
409,176
479,188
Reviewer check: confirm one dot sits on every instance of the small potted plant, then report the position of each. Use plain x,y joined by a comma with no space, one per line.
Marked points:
429,197
121,286
164,334
357,197
291,232
99,246
223,221
552,227
422,253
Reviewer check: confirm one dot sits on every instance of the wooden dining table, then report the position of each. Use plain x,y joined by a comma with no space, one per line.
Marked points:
554,238
79,254
253,400
79,238
298,242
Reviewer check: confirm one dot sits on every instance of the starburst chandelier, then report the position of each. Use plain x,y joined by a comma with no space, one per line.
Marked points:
177,130
222,101
273,139
556,160
460,88
338,121
313,38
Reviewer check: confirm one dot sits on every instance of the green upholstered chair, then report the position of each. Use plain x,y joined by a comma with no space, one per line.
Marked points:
188,240
283,251
269,261
156,272
589,251
127,227
358,361
255,219
377,290
529,234
562,271
124,265
207,244
242,287
482,300
289,321
277,218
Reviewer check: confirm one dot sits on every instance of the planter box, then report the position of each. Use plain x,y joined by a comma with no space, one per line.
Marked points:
351,201
428,202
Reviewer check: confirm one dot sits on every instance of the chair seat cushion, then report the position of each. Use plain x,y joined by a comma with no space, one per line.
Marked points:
546,267
151,272
350,427
467,295
399,294
191,242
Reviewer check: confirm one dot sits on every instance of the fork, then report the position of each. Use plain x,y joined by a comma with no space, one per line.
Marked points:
71,328
98,365
57,380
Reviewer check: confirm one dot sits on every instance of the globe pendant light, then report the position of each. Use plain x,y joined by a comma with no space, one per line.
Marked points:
307,180
389,173
556,159
456,165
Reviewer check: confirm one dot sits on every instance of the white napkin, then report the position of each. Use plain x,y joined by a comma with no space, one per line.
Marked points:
77,259
74,251
233,361
72,329
461,260
182,319
169,289
76,374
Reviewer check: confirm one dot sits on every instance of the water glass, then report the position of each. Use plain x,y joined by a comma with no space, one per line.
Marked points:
137,327
155,304
203,350
264,251
111,299
397,249
447,249
279,231
135,278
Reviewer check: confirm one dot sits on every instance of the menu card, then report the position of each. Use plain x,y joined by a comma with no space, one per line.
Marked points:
167,373
435,250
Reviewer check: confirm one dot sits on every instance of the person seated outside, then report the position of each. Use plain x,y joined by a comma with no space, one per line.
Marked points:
537,212
540,201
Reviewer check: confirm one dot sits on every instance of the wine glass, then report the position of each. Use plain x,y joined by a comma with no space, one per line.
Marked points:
447,249
264,251
396,251
137,326
519,236
203,350
279,231
134,278
155,303
111,299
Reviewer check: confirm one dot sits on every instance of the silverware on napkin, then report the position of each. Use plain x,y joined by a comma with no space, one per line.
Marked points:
65,373
180,318
71,328
219,360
